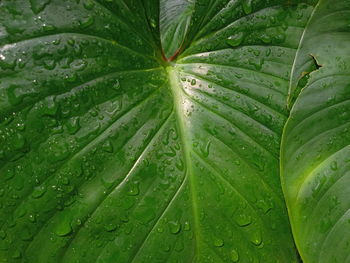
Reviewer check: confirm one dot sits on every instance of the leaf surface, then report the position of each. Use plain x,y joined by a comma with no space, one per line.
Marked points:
109,154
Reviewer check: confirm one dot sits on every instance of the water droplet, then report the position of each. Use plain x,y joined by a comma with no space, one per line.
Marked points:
128,228
2,234
235,40
234,255
21,212
265,38
89,5
73,125
193,82
268,52
205,150
242,219
180,165
247,6
70,78
256,238
38,192
116,85
179,246
107,146
134,189
187,226
20,126
86,22
264,205
110,227
257,64
79,64
48,28
165,247
32,218
63,228
334,165
18,141
58,151
174,227
9,174
153,23
218,242
7,62
49,64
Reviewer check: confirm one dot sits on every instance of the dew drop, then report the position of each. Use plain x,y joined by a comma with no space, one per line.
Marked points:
247,6
153,23
256,238
174,227
79,64
86,22
264,205
107,146
334,165
63,228
134,189
116,85
235,40
187,226
21,212
218,242
3,234
179,246
110,227
89,4
243,219
234,255
18,141
38,192
49,64
205,150
265,38
32,218
48,28
165,247
73,125
180,165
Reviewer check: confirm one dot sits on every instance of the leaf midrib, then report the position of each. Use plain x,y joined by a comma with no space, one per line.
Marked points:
180,122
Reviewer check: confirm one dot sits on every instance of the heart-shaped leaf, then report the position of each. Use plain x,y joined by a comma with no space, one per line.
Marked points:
149,130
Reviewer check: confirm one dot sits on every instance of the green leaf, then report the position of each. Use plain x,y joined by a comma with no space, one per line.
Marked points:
315,148
174,22
146,131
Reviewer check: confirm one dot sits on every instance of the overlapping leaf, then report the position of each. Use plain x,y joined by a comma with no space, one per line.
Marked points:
315,155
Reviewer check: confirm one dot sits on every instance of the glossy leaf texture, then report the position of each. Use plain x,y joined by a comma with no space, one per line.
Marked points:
175,19
110,154
315,148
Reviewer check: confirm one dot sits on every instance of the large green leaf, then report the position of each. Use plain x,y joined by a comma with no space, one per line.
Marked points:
315,148
110,153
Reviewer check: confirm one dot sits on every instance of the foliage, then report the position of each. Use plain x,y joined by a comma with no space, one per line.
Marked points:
158,131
